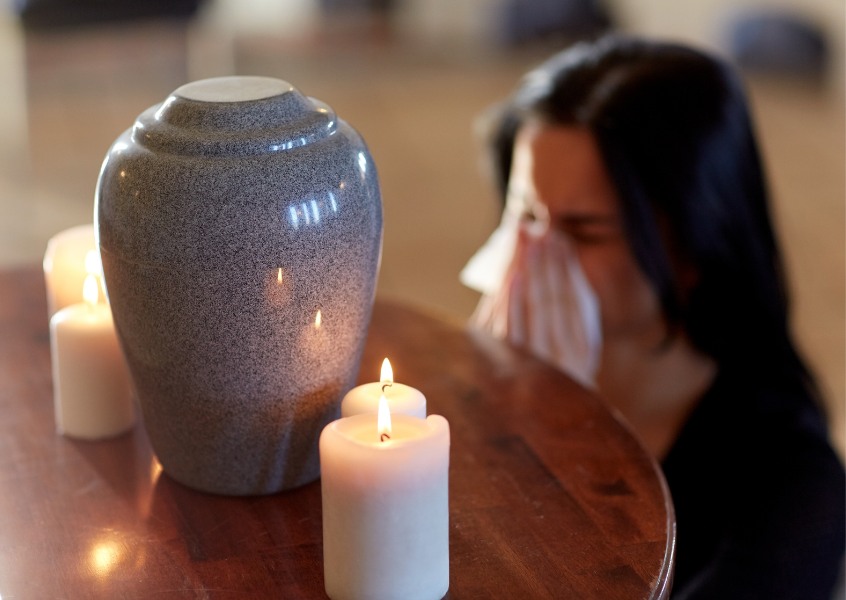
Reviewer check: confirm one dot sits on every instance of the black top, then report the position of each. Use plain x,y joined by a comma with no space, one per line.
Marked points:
759,496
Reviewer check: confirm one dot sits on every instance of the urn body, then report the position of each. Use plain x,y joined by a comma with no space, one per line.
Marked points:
240,227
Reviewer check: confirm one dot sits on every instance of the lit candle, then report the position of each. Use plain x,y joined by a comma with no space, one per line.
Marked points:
385,507
66,264
403,399
91,388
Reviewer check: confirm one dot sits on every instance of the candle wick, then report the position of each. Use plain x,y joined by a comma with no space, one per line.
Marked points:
384,437
387,384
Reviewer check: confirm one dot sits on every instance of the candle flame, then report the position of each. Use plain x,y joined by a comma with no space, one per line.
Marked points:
93,266
387,375
90,292
279,276
318,319
383,418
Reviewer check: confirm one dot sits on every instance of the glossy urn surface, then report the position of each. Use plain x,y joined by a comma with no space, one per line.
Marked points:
240,227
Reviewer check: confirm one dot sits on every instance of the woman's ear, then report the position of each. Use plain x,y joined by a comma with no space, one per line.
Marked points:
687,276
686,273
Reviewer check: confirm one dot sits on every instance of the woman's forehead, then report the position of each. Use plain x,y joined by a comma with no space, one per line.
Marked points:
562,167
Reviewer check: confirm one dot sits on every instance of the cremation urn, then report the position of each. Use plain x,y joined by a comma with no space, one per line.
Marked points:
240,227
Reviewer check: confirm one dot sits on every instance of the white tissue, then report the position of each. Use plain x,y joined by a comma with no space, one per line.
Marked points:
536,296
486,269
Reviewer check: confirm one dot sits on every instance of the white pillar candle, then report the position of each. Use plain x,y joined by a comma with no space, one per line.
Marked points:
91,386
65,265
385,508
402,399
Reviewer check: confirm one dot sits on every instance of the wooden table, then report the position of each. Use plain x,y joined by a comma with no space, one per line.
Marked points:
550,495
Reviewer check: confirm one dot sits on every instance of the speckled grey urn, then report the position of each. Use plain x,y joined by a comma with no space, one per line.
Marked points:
240,227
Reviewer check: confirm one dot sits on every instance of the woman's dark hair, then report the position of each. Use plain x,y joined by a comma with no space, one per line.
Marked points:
674,131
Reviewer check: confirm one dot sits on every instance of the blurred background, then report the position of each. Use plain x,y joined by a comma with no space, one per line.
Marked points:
413,76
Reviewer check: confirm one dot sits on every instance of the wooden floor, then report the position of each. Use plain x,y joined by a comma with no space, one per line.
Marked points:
67,95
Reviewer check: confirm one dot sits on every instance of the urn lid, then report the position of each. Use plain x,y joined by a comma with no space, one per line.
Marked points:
242,115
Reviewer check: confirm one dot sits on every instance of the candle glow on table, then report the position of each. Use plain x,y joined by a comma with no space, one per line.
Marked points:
91,386
402,399
66,265
385,507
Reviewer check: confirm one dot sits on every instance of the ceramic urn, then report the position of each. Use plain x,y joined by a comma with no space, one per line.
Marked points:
240,227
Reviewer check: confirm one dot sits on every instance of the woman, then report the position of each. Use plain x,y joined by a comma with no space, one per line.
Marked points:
636,203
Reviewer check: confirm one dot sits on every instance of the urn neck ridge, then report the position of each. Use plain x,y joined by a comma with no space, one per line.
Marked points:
232,116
